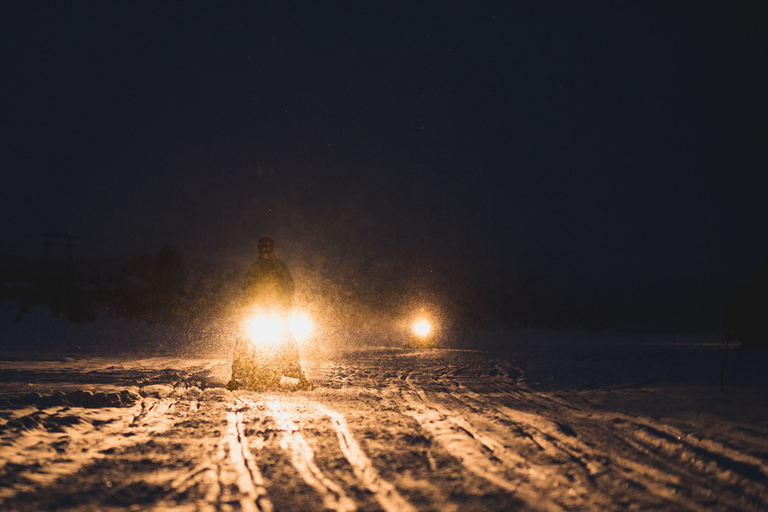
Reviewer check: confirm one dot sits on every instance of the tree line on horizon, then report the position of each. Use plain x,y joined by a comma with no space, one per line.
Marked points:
162,286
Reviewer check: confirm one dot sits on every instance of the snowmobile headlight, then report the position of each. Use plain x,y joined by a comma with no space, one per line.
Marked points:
264,329
422,328
301,326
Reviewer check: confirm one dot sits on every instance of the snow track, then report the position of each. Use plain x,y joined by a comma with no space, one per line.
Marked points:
302,457
382,430
386,494
247,474
484,454
675,470
58,444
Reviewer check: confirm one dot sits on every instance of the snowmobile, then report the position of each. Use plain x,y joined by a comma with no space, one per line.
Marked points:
266,355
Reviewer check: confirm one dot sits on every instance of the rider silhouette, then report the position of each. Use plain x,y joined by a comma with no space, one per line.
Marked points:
269,283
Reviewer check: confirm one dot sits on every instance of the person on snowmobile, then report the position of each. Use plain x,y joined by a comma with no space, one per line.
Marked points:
268,285
268,282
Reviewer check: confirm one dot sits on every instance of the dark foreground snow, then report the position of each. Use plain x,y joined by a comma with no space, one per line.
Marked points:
543,426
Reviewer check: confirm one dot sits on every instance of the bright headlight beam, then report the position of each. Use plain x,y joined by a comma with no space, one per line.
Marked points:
422,328
301,326
264,329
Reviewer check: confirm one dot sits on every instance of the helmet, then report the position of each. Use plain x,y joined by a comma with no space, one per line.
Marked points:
266,245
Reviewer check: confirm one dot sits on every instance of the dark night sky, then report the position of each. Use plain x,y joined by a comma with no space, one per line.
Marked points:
546,151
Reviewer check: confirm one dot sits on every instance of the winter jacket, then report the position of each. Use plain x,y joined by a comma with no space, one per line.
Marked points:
269,283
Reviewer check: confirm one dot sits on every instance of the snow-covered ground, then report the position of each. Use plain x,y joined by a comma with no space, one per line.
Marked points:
555,421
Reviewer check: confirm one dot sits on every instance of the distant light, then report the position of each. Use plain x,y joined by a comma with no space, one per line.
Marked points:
422,328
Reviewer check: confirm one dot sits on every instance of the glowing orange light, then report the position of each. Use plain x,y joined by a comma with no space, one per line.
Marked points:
264,329
301,326
422,328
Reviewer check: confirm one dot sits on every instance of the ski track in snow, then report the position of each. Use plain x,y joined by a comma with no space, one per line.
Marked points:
454,428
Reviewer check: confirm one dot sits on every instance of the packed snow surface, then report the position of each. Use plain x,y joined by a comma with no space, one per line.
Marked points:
541,426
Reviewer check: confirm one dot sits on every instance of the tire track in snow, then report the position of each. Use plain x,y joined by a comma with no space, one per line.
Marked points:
665,477
207,475
14,446
559,447
699,461
663,483
221,480
501,377
628,463
480,454
302,458
201,473
385,493
110,430
153,411
247,476
540,431
717,452
556,441
682,465
547,436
